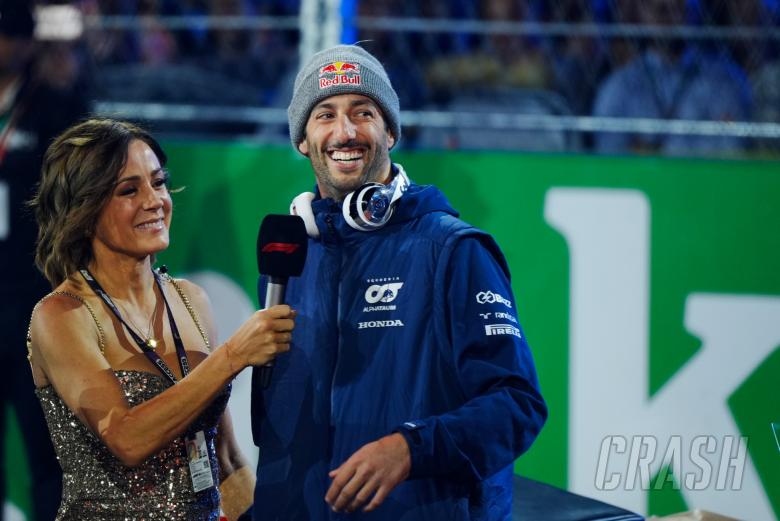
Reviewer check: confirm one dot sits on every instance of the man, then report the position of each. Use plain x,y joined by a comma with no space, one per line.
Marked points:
671,80
410,389
32,112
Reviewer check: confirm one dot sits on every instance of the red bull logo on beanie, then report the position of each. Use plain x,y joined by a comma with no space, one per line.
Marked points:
339,73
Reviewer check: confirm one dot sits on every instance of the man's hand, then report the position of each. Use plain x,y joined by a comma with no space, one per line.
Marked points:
369,474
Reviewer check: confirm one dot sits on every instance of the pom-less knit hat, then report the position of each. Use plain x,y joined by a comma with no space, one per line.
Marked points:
344,69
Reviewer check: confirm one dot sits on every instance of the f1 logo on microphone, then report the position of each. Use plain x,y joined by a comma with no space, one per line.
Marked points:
281,247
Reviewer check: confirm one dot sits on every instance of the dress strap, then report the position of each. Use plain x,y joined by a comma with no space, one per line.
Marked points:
101,333
187,304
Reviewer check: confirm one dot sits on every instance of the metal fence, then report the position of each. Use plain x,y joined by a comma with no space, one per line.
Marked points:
678,77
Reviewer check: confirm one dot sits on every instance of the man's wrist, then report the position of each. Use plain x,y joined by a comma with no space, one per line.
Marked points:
410,431
401,445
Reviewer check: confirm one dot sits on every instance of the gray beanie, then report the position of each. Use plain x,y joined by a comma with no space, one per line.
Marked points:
343,69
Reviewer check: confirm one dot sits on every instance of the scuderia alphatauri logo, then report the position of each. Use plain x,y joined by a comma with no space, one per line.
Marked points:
379,295
381,292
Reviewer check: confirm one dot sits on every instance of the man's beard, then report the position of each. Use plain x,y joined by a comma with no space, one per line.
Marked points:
372,172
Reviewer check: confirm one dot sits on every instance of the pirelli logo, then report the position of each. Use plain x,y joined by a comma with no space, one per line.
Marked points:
501,329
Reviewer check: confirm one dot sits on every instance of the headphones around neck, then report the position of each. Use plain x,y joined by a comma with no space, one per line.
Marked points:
366,209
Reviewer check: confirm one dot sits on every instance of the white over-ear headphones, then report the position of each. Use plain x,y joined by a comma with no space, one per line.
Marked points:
366,209
301,206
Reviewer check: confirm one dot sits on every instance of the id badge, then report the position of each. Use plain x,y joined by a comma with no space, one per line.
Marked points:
5,210
198,457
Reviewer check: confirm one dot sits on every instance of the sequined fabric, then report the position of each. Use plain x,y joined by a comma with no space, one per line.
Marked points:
97,486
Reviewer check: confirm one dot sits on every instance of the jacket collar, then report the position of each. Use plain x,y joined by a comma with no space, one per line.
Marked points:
416,202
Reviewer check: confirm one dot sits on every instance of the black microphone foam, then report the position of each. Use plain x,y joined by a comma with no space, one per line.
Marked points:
281,253
281,246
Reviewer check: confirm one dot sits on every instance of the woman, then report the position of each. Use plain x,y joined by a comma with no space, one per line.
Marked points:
122,357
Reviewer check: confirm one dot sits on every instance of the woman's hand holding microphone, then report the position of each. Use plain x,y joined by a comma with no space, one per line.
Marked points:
261,338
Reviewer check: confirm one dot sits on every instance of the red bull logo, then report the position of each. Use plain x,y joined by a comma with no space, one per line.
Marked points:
339,73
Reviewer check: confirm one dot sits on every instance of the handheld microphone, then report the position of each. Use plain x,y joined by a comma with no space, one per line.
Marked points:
281,253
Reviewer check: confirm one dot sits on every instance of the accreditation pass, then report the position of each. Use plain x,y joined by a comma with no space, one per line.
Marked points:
5,210
198,457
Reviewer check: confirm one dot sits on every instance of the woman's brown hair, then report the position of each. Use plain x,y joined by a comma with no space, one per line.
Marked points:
80,169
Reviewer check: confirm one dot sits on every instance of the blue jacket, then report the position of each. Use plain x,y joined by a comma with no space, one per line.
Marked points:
411,328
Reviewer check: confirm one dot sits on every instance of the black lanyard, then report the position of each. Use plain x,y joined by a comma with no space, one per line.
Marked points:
148,351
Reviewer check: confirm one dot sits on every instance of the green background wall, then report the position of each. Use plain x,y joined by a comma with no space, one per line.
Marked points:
714,228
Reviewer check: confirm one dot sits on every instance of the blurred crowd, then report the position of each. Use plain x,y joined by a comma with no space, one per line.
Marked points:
197,62
515,66
564,70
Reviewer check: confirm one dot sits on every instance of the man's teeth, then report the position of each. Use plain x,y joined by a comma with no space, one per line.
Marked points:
346,156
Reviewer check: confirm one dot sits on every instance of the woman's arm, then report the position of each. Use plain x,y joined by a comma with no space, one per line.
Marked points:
72,362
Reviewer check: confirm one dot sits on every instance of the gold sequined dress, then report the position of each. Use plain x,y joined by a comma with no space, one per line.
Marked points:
97,486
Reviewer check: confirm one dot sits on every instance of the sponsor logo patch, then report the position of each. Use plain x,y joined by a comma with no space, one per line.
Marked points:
506,316
339,73
502,329
383,292
488,297
369,309
380,323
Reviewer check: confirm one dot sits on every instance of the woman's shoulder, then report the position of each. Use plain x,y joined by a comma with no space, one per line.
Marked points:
65,300
67,305
198,306
190,287
189,291
64,313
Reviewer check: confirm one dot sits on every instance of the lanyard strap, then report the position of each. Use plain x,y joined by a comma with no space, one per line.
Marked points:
148,351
